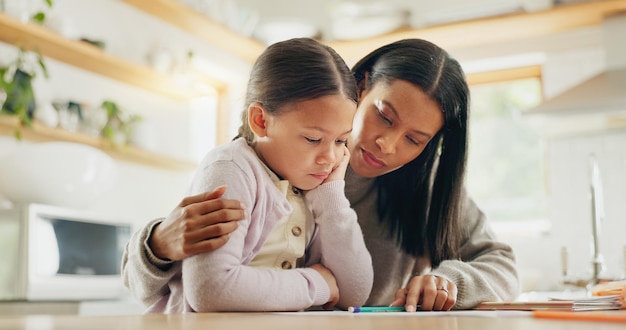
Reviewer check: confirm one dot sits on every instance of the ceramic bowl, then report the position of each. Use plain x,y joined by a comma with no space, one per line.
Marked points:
56,173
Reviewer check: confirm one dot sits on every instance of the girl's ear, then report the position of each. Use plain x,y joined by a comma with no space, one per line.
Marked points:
257,119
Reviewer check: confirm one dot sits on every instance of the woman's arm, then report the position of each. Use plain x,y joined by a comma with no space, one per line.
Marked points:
200,223
144,274
486,270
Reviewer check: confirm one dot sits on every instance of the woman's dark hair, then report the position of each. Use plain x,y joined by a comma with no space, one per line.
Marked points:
298,69
422,200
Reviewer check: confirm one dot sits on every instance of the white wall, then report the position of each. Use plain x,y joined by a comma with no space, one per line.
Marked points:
567,184
181,129
570,212
567,59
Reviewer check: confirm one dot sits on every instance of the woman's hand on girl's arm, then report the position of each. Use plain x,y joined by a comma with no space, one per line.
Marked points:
430,292
332,285
200,223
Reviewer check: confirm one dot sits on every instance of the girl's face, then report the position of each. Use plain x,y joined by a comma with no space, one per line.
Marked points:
305,141
394,123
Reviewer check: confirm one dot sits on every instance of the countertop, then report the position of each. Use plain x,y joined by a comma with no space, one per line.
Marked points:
84,308
467,320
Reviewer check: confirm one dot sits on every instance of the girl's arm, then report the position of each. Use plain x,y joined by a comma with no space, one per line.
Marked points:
221,280
339,244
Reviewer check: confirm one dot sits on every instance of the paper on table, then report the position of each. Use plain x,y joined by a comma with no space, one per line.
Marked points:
468,313
611,288
583,304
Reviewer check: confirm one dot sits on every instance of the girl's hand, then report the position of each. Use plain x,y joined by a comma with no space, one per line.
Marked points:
332,284
339,172
429,292
200,223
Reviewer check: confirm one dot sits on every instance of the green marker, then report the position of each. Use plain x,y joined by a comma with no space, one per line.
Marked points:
375,309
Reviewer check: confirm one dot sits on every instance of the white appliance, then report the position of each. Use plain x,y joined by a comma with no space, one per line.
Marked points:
53,253
596,104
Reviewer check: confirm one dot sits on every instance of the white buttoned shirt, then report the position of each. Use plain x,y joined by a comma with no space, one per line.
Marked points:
287,242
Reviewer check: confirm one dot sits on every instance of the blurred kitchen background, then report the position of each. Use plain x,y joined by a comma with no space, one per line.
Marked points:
154,84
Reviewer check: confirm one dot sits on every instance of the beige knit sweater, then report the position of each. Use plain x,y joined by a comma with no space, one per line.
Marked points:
486,270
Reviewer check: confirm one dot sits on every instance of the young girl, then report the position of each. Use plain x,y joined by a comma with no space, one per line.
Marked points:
300,244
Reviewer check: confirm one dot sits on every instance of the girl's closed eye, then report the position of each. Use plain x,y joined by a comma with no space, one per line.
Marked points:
312,140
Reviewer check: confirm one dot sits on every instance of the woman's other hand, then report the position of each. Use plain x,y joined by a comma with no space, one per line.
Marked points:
429,292
200,223
332,285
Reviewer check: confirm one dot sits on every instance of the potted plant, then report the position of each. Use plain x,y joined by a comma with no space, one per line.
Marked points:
16,84
119,124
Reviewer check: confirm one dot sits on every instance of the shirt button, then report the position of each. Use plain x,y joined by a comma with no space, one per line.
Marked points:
295,190
296,231
286,265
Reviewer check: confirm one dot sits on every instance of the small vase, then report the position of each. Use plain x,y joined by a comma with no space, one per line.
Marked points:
21,98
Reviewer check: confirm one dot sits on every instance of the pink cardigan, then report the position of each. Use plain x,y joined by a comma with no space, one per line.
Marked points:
222,281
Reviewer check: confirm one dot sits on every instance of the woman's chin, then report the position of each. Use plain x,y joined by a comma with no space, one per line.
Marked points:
363,169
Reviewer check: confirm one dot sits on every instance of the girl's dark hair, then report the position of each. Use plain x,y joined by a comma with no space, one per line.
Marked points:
298,69
422,200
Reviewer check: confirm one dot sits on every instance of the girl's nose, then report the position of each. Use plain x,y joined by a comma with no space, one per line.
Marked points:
327,155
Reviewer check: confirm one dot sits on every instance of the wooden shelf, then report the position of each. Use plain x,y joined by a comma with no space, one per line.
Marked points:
33,37
480,32
197,24
41,133
472,33
616,122
531,71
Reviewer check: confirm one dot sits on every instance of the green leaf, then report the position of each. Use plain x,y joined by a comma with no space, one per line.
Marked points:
42,65
39,17
5,85
107,132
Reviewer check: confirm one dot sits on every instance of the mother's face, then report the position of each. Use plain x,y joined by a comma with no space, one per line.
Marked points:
393,124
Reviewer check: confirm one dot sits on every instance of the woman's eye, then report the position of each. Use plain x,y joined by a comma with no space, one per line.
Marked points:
344,142
413,141
383,117
310,140
379,108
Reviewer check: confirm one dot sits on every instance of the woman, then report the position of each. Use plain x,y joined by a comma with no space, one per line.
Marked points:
431,247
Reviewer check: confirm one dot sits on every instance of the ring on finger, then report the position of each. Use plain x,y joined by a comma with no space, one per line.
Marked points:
441,288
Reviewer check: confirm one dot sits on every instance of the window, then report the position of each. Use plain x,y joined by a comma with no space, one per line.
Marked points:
506,175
